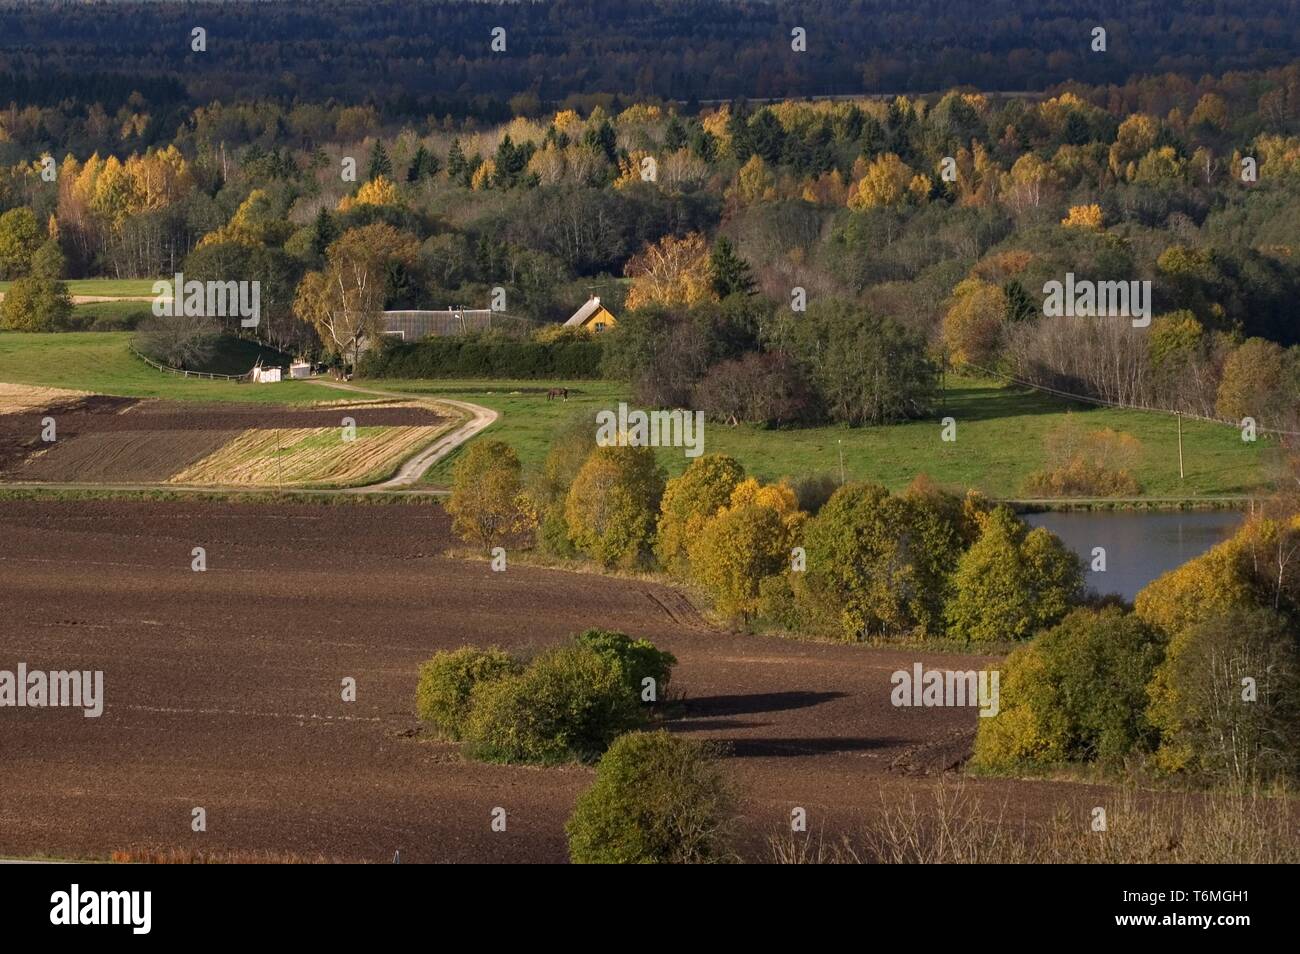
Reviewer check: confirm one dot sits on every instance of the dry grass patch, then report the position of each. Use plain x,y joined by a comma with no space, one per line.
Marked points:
308,456
16,398
950,826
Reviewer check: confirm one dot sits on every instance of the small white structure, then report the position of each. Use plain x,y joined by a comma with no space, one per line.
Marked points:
266,375
300,369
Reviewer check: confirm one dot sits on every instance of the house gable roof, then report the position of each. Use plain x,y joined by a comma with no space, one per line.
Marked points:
582,314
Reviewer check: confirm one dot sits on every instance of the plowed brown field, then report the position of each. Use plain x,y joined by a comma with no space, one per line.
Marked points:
223,690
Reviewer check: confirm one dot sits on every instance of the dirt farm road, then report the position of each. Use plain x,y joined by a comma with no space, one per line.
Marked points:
410,472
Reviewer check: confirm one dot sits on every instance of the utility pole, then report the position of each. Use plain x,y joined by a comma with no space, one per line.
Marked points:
1180,445
840,442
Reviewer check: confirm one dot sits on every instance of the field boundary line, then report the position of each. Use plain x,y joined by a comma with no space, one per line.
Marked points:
204,375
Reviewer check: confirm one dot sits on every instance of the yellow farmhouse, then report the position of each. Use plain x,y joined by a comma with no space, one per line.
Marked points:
593,316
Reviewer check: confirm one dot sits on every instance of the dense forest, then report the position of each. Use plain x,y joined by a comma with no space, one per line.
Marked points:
774,262
416,57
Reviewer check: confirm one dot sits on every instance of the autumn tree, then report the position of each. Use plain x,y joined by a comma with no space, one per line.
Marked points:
736,551
1254,382
570,446
378,191
1087,217
671,272
972,326
688,502
612,504
487,502
1012,582
345,301
1028,182
255,222
744,543
1135,137
888,181
754,183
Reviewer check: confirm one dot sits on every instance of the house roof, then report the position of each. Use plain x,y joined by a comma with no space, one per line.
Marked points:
583,313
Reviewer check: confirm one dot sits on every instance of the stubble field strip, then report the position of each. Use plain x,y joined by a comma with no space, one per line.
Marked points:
333,443
312,456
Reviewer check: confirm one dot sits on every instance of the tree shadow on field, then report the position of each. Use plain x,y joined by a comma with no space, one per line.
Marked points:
755,703
989,403
795,748
712,725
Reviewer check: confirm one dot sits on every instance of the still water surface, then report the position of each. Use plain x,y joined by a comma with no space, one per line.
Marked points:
1140,546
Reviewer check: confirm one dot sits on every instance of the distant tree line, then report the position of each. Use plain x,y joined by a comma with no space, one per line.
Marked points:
402,50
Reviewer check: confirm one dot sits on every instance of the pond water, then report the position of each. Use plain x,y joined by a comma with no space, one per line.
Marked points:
1140,546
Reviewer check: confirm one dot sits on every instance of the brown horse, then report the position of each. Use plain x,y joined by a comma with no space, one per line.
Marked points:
553,393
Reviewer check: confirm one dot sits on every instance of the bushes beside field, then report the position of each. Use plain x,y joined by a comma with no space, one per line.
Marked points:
1201,680
567,704
484,356
868,565
657,799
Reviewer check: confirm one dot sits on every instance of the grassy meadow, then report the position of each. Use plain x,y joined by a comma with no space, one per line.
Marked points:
1000,430
1000,438
102,362
107,287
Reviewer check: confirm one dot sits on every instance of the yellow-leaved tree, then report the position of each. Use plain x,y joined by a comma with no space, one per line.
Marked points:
487,503
972,326
885,183
1083,217
745,543
378,191
672,271
344,302
689,501
255,223
1254,572
754,183
611,506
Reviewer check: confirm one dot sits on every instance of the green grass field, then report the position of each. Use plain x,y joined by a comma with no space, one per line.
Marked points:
1000,434
528,421
109,287
102,362
1000,431
110,309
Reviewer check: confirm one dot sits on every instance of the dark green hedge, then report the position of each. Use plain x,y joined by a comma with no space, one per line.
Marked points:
475,358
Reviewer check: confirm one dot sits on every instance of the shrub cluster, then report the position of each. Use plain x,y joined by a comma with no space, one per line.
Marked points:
657,799
868,564
447,683
568,704
1202,678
